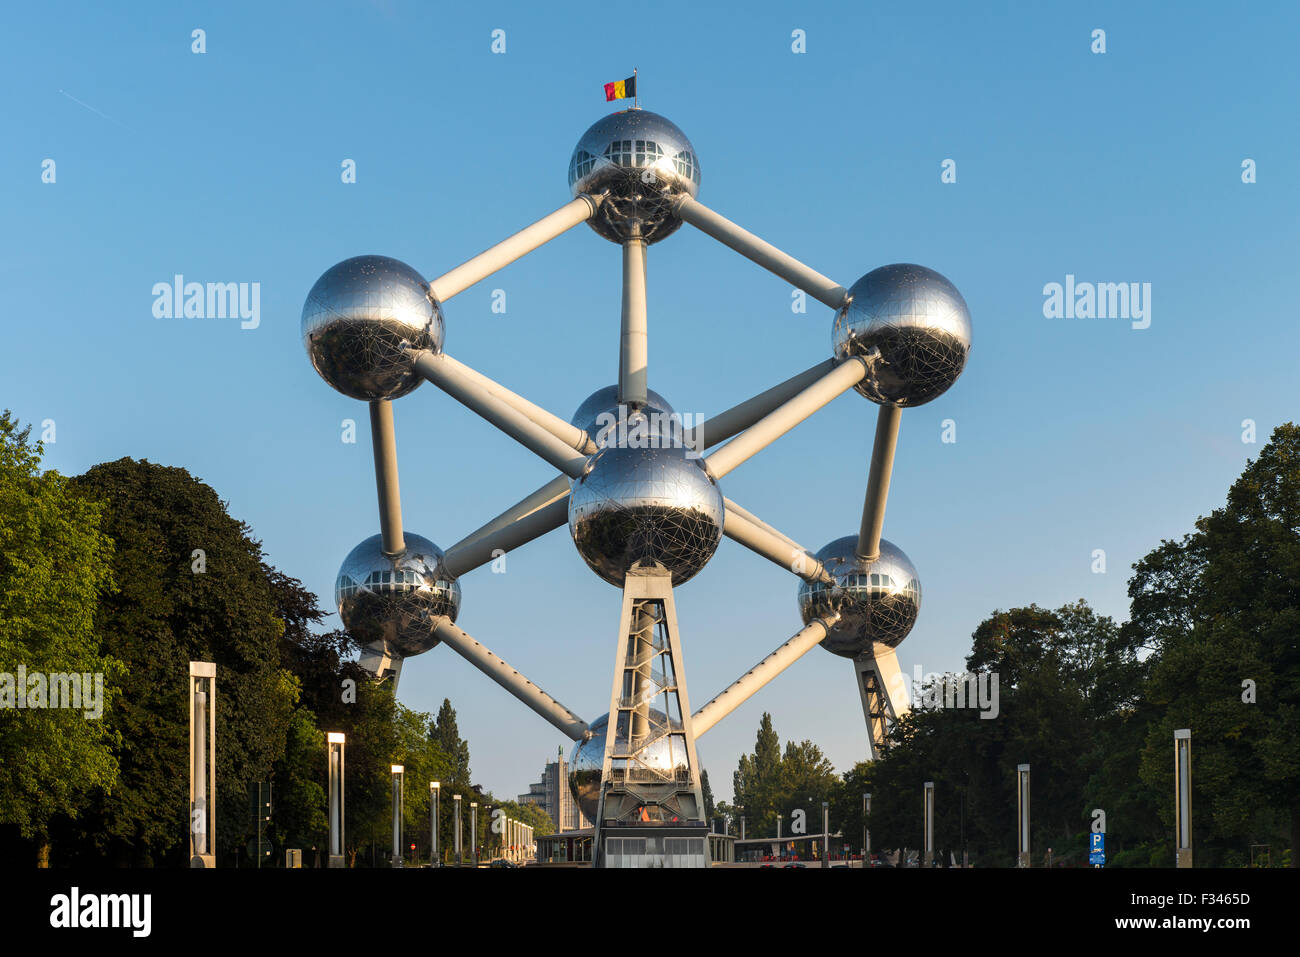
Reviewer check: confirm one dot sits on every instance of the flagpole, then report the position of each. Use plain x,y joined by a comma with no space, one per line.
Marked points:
636,99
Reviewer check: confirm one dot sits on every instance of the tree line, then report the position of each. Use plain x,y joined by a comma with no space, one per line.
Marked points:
1212,644
133,570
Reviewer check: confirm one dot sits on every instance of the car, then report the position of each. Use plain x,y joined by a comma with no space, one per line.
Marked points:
502,862
795,864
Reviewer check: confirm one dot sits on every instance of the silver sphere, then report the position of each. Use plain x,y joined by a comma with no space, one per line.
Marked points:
356,320
602,418
389,602
588,757
877,601
645,505
919,322
645,163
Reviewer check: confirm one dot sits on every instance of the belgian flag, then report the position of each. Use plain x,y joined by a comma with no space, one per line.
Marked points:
622,90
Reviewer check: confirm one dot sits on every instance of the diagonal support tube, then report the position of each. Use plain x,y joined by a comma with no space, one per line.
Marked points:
846,374
743,688
508,250
764,253
882,469
740,417
383,438
507,677
449,375
544,510
759,537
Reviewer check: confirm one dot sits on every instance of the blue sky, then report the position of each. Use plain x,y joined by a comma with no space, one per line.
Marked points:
1072,435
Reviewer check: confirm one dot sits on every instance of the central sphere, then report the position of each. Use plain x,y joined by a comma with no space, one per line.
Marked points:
389,601
360,318
645,505
877,601
644,163
588,757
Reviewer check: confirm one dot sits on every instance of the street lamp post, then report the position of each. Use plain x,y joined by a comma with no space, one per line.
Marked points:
866,834
335,741
399,774
455,834
1022,816
434,788
928,793
1183,795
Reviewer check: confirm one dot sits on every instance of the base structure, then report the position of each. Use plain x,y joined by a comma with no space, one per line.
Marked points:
651,811
884,695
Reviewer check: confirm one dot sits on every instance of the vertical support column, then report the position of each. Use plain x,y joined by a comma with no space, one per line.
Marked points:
884,695
383,437
1183,795
928,793
399,777
202,835
455,831
434,789
334,742
878,478
1022,816
634,338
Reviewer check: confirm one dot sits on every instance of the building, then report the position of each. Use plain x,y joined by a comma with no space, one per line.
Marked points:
553,796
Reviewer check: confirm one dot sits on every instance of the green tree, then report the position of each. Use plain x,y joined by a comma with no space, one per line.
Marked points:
191,587
444,731
55,564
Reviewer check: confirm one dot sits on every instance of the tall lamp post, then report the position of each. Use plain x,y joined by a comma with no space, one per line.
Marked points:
335,741
1183,795
434,788
399,774
928,794
866,834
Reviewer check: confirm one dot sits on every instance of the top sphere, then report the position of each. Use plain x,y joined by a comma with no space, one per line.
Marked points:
356,320
645,163
877,601
919,322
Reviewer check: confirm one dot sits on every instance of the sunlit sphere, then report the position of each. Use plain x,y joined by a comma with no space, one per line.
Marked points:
645,163
602,417
919,322
645,505
360,318
666,753
390,602
877,601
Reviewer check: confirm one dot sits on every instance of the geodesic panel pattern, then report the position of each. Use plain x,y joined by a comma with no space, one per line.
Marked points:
645,505
917,320
876,601
393,601
356,319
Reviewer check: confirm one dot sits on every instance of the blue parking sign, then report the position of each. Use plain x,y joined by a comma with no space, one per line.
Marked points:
1097,849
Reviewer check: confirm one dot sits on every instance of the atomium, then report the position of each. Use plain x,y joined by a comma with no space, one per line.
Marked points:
389,602
917,320
361,317
876,601
642,501
664,754
645,506
644,163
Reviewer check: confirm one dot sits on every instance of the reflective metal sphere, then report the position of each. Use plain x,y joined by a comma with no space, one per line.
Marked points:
388,602
877,601
600,416
645,163
588,756
356,319
919,322
645,505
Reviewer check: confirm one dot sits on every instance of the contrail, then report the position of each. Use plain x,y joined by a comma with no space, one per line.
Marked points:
95,111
